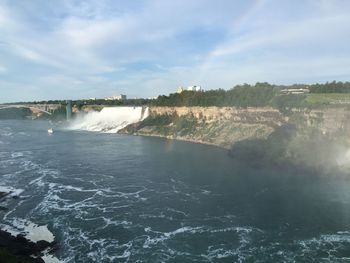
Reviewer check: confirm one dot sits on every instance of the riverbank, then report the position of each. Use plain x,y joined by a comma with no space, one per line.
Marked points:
224,126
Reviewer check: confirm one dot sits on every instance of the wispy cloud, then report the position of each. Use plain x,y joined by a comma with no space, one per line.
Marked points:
93,48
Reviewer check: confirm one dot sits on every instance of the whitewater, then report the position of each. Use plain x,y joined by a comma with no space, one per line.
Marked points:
116,198
109,119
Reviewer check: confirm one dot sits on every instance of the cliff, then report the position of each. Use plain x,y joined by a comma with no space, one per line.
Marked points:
224,126
315,137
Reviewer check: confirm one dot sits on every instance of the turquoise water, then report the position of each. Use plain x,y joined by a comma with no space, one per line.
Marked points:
119,198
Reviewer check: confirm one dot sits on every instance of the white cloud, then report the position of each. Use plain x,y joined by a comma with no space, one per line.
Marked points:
90,33
97,47
308,32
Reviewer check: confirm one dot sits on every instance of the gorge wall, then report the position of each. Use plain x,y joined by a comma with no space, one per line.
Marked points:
306,137
224,126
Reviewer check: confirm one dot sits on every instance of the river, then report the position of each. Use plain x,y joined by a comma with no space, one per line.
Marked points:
120,198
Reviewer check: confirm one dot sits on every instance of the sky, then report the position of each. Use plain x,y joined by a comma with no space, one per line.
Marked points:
70,49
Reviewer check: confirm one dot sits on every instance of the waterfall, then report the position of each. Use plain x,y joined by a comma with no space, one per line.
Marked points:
109,119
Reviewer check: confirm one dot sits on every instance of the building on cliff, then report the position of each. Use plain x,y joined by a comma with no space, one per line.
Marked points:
189,88
117,97
294,91
194,88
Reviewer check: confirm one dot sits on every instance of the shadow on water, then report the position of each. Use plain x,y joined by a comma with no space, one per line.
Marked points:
305,192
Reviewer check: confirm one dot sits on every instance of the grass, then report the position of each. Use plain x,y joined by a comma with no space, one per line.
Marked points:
328,98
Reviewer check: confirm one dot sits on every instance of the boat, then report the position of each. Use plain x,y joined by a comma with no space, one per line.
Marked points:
50,131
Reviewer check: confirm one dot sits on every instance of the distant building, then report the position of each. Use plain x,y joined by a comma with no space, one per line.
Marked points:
118,97
194,88
189,88
294,91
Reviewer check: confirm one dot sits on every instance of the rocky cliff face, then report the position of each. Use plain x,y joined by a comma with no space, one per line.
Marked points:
214,125
212,114
327,120
224,126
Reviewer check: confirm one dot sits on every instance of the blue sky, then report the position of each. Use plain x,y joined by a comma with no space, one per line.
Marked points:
62,49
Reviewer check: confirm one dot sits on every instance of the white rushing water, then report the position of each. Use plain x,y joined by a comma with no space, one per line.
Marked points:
109,119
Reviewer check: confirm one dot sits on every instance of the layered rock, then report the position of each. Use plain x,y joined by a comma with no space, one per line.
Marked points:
224,126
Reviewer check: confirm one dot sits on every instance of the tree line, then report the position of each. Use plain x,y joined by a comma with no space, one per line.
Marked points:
241,96
260,94
331,87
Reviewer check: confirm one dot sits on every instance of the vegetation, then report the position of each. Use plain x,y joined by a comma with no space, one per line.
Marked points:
171,124
330,87
128,102
241,96
159,120
328,98
261,94
258,95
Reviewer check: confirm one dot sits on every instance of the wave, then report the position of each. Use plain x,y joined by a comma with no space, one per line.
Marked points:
109,119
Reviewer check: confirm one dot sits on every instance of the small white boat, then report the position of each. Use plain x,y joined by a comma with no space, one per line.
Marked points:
50,131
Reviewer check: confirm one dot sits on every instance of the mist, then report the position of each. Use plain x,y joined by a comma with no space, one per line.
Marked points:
303,148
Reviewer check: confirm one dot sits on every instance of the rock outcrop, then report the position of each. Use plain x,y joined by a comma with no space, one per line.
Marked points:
224,126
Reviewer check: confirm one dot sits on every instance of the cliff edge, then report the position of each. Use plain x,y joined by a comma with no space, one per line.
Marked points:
224,126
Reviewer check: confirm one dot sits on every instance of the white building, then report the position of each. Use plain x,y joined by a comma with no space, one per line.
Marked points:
194,88
294,91
117,97
189,88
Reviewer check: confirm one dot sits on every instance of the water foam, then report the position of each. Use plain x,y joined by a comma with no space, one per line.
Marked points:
11,191
50,259
37,233
109,119
32,232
